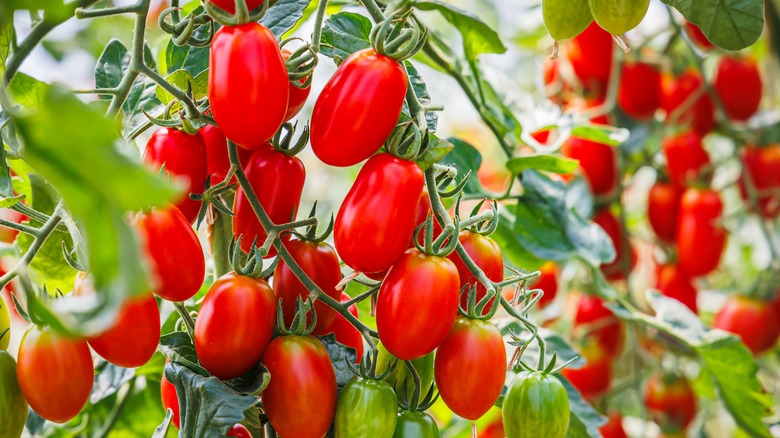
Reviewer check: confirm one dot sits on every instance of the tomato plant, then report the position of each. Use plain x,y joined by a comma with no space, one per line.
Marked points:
740,103
671,402
663,206
755,322
217,160
366,408
487,255
598,162
700,236
639,95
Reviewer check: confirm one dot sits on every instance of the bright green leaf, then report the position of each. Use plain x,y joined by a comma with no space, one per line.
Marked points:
601,134
344,34
27,91
478,37
549,163
730,24
183,79
437,149
513,250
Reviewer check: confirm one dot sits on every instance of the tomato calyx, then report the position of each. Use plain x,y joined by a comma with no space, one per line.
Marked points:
182,31
300,63
242,16
310,234
415,403
250,265
406,141
298,326
484,309
282,141
399,36
443,244
367,368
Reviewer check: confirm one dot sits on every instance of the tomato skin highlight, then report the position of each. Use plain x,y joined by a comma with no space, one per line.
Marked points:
670,401
170,399
217,159
416,305
598,162
639,92
591,57
762,165
591,311
320,262
677,91
486,253
358,108
366,408
547,282
593,379
754,321
133,339
739,87
248,84
239,431
303,380
277,179
701,238
663,210
415,424
234,325
536,405
346,333
377,218
674,283
172,243
55,373
13,406
183,156
476,346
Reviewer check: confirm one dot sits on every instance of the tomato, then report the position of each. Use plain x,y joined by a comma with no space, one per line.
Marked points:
55,373
170,400
677,91
738,84
590,55
133,339
8,235
377,219
248,84
13,406
346,333
614,427
239,431
230,5
358,108
639,91
701,238
698,36
591,311
493,430
320,262
610,224
302,380
486,253
670,402
536,405
674,283
217,159
415,424
183,156
593,379
663,209
277,180
755,322
297,96
171,244
366,408
763,166
685,157
547,282
598,162
401,378
234,325
476,346
416,305
5,324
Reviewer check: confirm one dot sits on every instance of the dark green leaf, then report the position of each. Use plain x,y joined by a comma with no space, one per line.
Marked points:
465,157
344,34
178,347
108,379
253,381
27,91
584,421
193,59
6,36
478,37
421,91
729,24
436,150
549,163
513,250
283,15
111,65
340,355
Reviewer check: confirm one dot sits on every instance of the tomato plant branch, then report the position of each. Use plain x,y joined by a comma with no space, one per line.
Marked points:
136,59
374,10
82,13
19,227
319,19
179,94
189,323
122,399
41,235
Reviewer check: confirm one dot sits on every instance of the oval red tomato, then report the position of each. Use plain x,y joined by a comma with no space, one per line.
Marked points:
486,253
598,162
358,108
670,401
755,322
217,159
663,209
55,373
639,92
685,157
591,311
417,304
701,238
377,219
700,114
346,333
547,282
133,339
320,262
739,87
247,77
184,156
674,283
239,431
297,96
698,36
591,56
610,224
593,379
763,166
234,325
230,5
170,400
614,427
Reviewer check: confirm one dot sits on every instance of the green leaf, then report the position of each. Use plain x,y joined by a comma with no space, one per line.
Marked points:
111,65
178,347
584,421
344,34
603,134
729,24
549,163
27,91
478,36
183,79
465,157
193,59
513,250
54,10
6,36
340,355
436,150
282,16
421,91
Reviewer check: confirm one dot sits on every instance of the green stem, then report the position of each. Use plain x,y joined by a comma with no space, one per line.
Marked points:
186,317
318,21
19,227
40,238
192,109
82,13
374,10
122,399
136,60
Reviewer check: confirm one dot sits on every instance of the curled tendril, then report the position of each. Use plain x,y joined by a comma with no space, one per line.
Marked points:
183,31
300,63
399,36
283,139
405,141
310,234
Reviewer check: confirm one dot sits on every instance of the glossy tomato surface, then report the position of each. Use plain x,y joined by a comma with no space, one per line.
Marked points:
297,95
302,380
739,86
685,157
536,405
248,85
674,283
663,208
377,219
677,91
639,92
756,322
601,324
230,5
358,108
598,162
217,159
234,325
417,424
547,282
670,401
183,156
55,373
346,333
591,57
701,238
595,377
170,400
486,253
133,339
5,324
366,409
239,431
416,305
762,165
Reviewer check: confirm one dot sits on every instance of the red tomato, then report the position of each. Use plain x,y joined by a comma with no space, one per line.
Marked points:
346,333
239,431
701,238
698,36
320,262
377,219
133,339
738,84
476,346
277,180
639,92
614,427
614,270
551,71
547,282
663,209
673,283
591,311
754,321
248,84
358,108
230,5
171,244
234,325
8,235
417,304
184,156
302,380
486,253
55,373
217,160
591,56
763,167
676,93
493,430
593,379
297,96
598,162
670,402
685,157
170,400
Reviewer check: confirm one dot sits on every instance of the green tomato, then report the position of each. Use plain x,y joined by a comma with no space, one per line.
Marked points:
566,19
536,405
415,424
5,324
618,16
366,409
13,406
401,375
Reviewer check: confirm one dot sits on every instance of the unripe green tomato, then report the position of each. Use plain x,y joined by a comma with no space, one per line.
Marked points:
415,424
13,406
5,323
536,405
618,16
401,375
366,408
566,19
